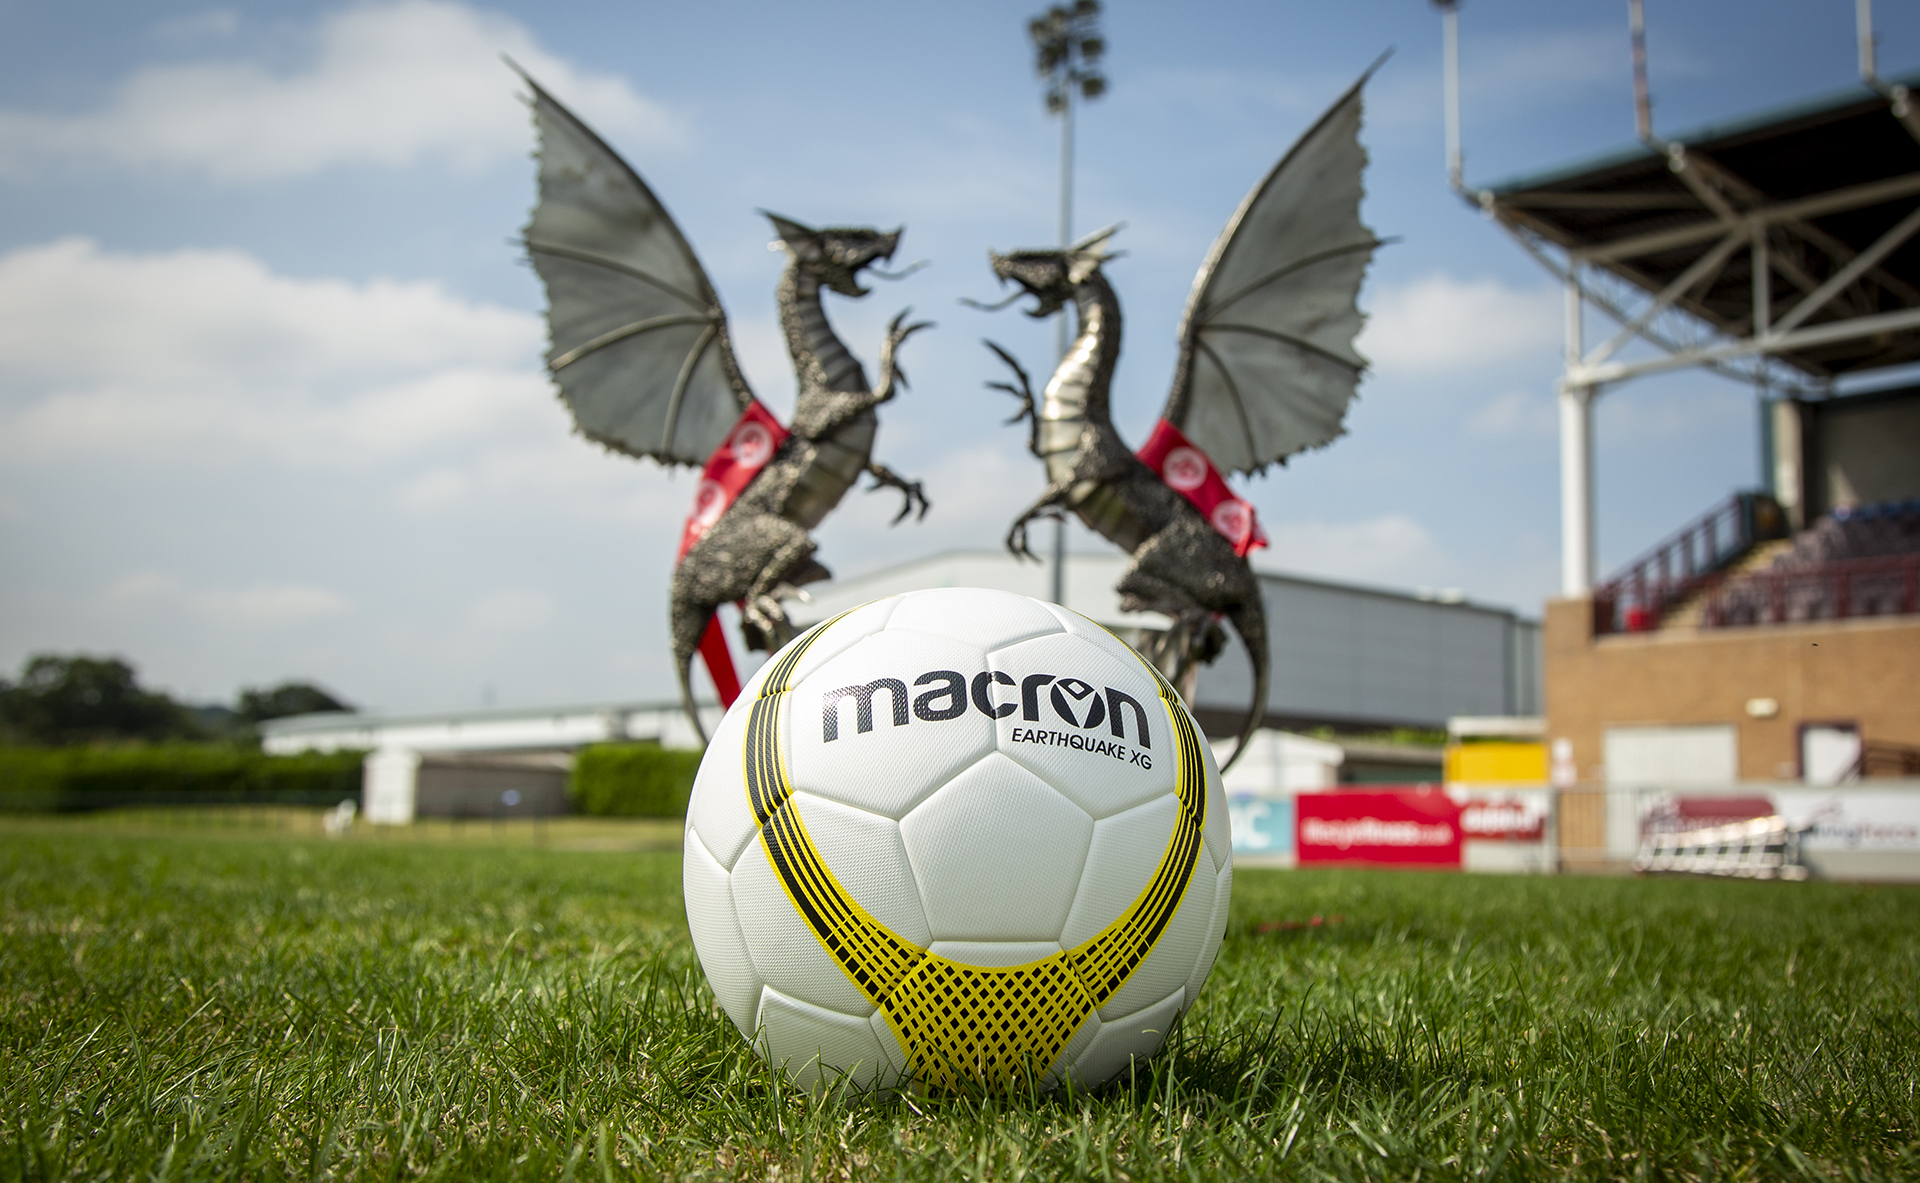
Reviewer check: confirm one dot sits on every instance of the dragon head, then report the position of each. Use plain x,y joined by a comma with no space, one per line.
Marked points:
835,255
1050,276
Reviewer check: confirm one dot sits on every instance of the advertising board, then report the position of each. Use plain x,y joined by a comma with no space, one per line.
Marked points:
1411,826
1854,818
1496,815
1847,831
1262,827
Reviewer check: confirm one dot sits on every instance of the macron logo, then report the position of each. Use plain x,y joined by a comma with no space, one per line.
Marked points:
948,693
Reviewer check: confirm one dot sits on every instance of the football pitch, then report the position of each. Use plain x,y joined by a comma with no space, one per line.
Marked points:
221,999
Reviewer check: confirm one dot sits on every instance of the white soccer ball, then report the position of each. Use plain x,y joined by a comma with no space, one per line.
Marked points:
957,838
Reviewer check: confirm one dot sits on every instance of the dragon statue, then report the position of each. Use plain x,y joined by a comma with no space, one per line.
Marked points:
1266,369
642,358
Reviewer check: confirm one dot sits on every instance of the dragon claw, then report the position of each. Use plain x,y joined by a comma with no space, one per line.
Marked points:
1017,542
911,494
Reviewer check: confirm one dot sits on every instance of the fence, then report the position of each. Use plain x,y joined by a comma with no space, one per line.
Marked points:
1883,586
1690,562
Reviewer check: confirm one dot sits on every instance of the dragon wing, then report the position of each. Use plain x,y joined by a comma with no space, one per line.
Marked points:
1267,364
640,347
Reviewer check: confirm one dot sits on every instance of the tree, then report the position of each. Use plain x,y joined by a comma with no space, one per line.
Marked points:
288,698
63,701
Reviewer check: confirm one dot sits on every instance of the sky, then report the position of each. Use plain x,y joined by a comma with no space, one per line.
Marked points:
271,404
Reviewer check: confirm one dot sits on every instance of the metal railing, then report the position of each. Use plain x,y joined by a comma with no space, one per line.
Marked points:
1888,585
1690,562
1879,758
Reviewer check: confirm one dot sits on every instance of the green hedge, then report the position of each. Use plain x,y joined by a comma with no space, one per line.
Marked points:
633,780
66,779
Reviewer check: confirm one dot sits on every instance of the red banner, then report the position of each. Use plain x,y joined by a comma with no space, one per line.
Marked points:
738,459
1189,472
1677,815
1399,826
1503,817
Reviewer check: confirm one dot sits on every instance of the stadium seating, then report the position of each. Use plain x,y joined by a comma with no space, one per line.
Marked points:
1858,561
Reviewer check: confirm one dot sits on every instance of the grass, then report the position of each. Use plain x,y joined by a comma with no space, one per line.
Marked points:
250,1002
217,822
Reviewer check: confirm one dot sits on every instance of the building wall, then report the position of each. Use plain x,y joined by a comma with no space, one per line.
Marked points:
1351,656
479,786
1342,655
1852,450
1860,671
1865,448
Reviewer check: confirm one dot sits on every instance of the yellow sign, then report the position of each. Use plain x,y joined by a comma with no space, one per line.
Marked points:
1496,763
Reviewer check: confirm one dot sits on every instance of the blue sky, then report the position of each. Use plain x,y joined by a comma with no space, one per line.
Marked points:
270,403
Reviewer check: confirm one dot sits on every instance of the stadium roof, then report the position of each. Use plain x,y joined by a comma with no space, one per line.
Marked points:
1821,199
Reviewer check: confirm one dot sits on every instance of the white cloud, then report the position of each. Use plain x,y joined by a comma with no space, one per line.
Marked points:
1391,549
1502,76
387,85
207,24
186,364
510,611
209,353
1530,65
258,606
1441,323
1517,412
273,605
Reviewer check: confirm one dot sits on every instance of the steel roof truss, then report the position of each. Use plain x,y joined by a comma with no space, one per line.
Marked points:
1819,205
1831,333
1705,270
1844,277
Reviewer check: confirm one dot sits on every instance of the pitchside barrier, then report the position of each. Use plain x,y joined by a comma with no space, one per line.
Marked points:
1416,827
1863,831
1761,848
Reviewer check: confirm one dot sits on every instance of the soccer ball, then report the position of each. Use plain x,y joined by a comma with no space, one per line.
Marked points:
957,839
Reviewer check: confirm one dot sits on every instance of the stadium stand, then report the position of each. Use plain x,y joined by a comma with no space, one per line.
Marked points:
1857,561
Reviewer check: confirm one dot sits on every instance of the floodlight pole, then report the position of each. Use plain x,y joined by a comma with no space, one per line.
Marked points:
1642,98
1863,20
1068,48
1060,331
1450,54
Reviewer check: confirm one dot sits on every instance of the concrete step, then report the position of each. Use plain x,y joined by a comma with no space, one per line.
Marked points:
1688,612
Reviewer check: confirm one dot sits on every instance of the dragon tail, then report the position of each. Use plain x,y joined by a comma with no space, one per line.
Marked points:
688,622
1250,621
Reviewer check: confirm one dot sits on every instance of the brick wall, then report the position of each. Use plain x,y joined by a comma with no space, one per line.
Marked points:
1864,671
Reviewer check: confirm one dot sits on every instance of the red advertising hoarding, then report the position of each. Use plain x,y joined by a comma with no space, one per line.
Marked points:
1502,817
1399,826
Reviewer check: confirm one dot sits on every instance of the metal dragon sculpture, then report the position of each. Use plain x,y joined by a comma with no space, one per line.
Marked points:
642,357
1266,369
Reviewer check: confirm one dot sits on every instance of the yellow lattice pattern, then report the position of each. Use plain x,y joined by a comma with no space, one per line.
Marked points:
1108,959
966,1024
876,958
971,1024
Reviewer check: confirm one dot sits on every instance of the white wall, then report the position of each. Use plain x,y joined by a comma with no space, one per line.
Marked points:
1278,763
390,778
